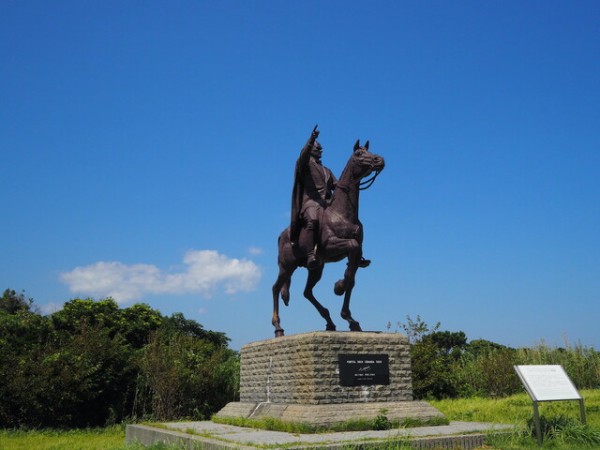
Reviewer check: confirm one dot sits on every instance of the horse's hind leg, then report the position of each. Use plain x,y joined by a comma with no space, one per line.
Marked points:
314,275
281,286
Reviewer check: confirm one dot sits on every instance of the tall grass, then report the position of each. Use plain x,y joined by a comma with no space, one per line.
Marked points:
516,409
560,420
581,363
490,372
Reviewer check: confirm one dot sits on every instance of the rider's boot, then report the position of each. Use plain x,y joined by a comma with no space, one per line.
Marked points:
308,243
364,262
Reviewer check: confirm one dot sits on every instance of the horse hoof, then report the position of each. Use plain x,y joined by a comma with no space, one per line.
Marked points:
279,333
338,287
355,326
330,328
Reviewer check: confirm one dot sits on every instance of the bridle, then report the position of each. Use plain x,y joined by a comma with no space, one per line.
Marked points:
366,184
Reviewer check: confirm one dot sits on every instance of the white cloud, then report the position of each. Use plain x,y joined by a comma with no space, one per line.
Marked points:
255,251
206,271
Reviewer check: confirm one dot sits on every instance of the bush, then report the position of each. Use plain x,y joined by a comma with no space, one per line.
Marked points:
93,363
444,365
186,376
582,364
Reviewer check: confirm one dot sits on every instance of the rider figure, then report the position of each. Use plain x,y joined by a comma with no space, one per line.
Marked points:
313,188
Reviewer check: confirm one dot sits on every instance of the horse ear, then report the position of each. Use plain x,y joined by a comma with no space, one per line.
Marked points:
367,145
357,145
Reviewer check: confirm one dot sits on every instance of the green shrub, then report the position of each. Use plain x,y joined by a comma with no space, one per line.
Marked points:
93,363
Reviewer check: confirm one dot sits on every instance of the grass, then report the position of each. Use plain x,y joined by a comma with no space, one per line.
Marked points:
89,439
109,438
562,431
563,428
381,422
517,409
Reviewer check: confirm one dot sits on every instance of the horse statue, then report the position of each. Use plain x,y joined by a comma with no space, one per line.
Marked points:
340,236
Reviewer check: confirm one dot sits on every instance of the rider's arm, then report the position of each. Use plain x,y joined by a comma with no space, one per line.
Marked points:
305,153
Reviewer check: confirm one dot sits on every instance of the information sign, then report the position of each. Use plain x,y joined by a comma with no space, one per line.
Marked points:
360,370
547,383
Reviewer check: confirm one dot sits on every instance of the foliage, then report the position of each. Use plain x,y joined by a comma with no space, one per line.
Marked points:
12,303
560,420
381,422
134,324
564,428
582,364
446,365
186,376
431,374
416,329
432,355
178,323
93,363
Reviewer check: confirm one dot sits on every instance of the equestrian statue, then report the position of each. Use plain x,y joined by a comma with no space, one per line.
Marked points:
324,226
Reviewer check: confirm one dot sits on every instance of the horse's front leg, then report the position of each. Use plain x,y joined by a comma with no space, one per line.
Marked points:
344,286
349,280
314,275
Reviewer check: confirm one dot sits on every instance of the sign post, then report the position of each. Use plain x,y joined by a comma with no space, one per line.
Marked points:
545,384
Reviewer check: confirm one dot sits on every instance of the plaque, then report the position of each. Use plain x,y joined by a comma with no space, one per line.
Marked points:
546,383
364,370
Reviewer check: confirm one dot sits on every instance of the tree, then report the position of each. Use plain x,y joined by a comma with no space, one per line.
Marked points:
448,341
12,303
417,329
93,363
430,358
77,312
177,322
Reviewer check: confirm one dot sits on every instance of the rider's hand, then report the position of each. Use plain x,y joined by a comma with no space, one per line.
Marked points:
315,132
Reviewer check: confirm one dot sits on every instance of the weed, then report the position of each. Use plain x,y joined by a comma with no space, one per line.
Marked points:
381,422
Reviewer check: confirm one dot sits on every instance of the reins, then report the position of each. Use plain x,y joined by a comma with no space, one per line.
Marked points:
363,185
366,184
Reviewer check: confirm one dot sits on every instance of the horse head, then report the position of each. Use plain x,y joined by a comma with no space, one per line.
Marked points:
363,163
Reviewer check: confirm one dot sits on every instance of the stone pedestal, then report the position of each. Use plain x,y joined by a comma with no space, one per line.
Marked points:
323,378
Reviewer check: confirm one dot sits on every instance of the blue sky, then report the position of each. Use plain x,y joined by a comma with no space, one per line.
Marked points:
148,151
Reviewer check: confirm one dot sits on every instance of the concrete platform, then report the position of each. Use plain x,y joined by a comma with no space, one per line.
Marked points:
213,436
332,414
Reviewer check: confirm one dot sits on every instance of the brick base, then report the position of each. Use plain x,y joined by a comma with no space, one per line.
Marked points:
296,378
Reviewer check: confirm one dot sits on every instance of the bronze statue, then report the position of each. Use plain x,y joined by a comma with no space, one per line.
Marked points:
324,227
313,189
